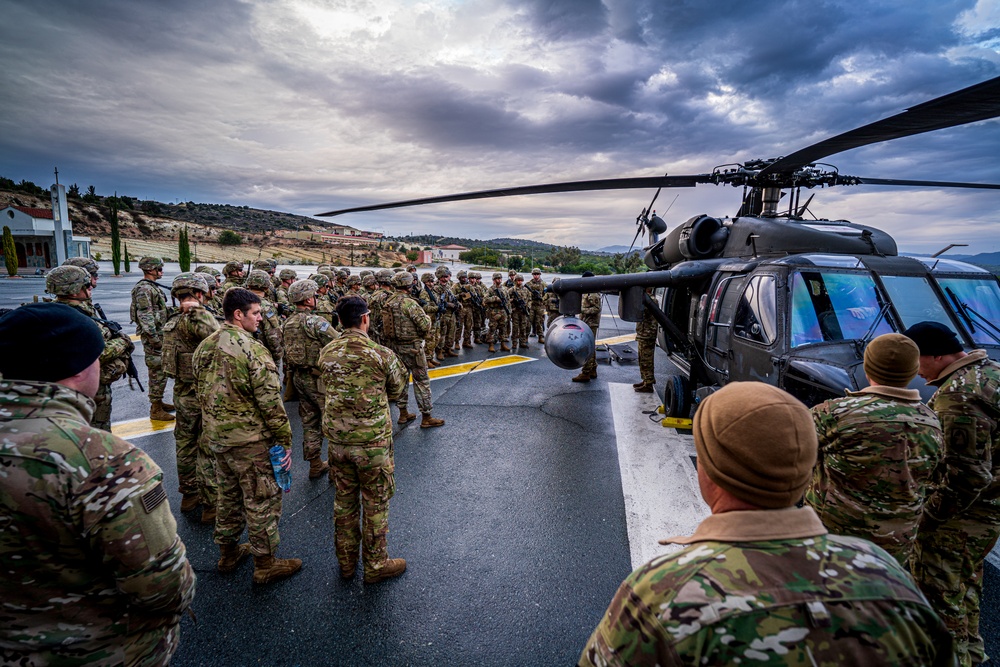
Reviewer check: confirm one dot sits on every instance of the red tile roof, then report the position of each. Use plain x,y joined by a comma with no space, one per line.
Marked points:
35,212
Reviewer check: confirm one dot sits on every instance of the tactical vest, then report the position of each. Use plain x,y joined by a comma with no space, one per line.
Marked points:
177,357
301,349
403,328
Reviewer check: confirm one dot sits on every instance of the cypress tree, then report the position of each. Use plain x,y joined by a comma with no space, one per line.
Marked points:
116,240
128,267
184,250
9,251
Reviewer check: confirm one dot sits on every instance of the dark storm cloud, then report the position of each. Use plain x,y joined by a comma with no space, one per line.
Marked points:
557,20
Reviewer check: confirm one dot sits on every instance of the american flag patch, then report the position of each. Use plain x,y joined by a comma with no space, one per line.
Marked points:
152,498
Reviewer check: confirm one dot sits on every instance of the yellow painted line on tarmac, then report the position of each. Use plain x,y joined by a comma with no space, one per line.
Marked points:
478,366
135,338
617,339
137,428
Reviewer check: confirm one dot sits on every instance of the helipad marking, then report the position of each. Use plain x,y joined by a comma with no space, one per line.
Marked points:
478,366
135,338
137,428
617,339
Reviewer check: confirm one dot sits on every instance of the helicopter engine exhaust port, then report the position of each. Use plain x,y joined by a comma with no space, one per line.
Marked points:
701,237
569,342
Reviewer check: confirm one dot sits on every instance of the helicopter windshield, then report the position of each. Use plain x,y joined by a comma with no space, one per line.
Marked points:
978,306
916,301
831,306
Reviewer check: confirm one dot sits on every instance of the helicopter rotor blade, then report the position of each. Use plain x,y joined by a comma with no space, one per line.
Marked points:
638,183
933,184
975,103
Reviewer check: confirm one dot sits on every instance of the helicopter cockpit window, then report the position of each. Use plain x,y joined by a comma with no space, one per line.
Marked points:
976,301
915,300
723,307
829,306
756,314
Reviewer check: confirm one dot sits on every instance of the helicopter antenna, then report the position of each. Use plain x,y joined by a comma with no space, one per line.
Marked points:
805,207
643,218
949,247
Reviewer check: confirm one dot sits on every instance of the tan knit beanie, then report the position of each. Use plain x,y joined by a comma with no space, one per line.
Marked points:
892,360
756,442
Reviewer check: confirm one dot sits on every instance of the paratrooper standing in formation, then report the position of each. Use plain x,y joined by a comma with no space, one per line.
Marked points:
149,313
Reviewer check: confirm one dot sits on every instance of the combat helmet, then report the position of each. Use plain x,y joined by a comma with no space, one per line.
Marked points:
497,275
322,267
384,276
475,274
427,278
150,263
262,265
368,281
342,274
287,274
204,268
231,267
536,271
402,279
365,272
209,280
353,280
301,290
66,280
259,280
442,271
518,277
320,280
462,274
188,281
85,263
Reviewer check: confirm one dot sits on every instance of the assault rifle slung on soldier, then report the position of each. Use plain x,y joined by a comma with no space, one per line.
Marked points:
131,371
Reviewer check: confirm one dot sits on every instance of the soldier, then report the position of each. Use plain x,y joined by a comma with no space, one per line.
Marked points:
645,340
428,300
205,268
233,272
519,297
762,581
305,336
478,309
86,263
404,326
551,304
446,317
362,377
72,286
184,330
93,570
878,449
214,303
498,313
242,418
324,307
537,287
267,267
353,284
149,313
510,278
591,316
269,331
368,286
384,291
463,317
287,277
339,287
961,519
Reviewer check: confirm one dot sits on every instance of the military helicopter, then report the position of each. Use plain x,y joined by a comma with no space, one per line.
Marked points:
767,295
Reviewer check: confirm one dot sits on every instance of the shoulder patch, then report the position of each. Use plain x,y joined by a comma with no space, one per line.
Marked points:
153,498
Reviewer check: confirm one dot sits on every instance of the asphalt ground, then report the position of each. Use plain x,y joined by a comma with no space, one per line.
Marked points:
511,518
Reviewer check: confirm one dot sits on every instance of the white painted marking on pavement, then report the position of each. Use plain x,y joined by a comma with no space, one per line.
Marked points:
659,482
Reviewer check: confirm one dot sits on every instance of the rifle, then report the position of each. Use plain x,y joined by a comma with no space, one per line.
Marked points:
433,298
131,371
503,301
519,302
477,301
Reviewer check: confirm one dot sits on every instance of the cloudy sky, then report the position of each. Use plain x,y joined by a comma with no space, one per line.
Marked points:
311,105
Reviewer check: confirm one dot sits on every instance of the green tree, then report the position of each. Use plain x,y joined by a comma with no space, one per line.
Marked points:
229,237
480,255
9,251
563,257
630,263
184,250
116,239
412,255
128,265
91,196
515,262
74,191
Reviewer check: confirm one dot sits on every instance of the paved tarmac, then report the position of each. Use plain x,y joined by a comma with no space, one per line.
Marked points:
515,518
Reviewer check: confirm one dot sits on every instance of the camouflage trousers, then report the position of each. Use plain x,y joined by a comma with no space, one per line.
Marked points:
195,461
446,335
478,324
102,415
498,326
520,327
647,347
591,365
151,350
463,324
311,403
537,310
551,316
413,357
364,471
431,339
249,497
947,563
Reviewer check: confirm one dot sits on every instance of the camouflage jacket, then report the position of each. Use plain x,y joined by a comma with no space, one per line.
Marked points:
269,331
281,296
148,311
646,328
182,334
305,335
521,293
769,587
878,449
403,320
968,404
495,299
228,284
93,570
239,391
552,303
118,346
592,309
463,292
361,377
537,288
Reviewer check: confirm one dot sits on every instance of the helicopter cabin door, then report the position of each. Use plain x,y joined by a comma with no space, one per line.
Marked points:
742,328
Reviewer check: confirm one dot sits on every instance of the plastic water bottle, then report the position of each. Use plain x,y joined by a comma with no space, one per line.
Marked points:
282,476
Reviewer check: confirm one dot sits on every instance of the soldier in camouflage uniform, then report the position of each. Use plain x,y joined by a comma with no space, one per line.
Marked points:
242,418
324,307
404,326
269,331
353,285
645,340
149,313
537,304
427,297
72,286
267,267
184,330
214,303
878,449
551,305
93,570
87,264
478,310
591,304
446,318
384,291
961,520
761,581
233,273
305,335
287,277
497,310
362,377
463,317
369,285
519,298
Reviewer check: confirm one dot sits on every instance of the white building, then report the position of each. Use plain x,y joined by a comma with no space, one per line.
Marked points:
43,237
448,253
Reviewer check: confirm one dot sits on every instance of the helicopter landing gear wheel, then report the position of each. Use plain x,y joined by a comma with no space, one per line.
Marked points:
676,397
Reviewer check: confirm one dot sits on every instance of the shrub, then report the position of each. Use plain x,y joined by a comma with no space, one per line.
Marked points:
229,237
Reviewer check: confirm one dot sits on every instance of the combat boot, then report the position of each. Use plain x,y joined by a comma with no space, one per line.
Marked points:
541,340
291,393
439,354
468,346
430,422
317,467
169,407
636,385
584,376
405,417
268,568
208,514
593,374
232,556
504,347
491,348
450,353
393,567
432,362
158,413
190,502
644,389
347,572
